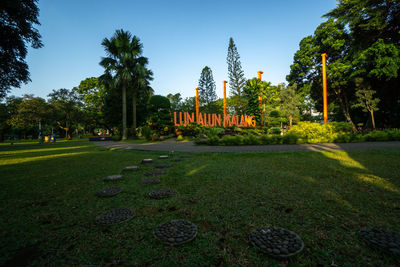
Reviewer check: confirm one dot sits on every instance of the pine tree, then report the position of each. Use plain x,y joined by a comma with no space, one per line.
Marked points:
237,82
207,89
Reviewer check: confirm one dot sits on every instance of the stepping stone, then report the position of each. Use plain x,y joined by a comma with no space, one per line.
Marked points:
163,166
115,216
131,168
147,161
175,232
109,192
277,242
150,181
162,193
383,239
154,173
184,156
176,159
115,177
163,157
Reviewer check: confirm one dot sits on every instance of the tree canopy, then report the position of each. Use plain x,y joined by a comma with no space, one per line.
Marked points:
17,29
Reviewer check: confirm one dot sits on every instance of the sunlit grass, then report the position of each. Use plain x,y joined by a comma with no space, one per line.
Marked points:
38,158
33,150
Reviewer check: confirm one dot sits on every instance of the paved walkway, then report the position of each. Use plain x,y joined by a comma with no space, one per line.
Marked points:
170,145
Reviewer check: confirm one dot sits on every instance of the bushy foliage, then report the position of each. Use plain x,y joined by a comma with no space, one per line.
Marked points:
146,132
214,131
191,129
159,108
275,130
116,137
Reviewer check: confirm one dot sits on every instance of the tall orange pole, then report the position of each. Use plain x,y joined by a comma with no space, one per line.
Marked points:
325,97
259,74
197,104
224,86
259,97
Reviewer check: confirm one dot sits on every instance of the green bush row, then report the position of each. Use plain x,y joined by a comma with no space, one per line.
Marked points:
295,138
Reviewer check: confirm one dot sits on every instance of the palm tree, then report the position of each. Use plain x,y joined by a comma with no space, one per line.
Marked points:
141,83
125,67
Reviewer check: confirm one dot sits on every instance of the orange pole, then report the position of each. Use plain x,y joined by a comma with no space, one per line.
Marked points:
259,74
259,97
224,83
197,105
325,97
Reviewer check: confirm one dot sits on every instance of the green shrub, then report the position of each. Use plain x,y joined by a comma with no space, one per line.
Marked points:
340,126
116,137
191,129
266,139
275,130
231,140
394,134
265,129
276,139
290,138
214,131
212,140
200,140
376,136
146,132
180,138
251,140
312,132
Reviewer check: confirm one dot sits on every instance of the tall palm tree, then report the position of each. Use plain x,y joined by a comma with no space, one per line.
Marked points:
125,67
141,83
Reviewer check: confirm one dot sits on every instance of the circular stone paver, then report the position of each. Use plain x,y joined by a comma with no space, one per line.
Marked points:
147,161
115,216
176,159
163,166
277,242
114,177
176,232
386,240
162,193
154,173
163,157
131,168
109,192
150,181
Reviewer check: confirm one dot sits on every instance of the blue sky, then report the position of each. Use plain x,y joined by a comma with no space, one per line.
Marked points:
179,38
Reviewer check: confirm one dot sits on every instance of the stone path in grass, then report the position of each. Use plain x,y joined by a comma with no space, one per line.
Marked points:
274,241
172,145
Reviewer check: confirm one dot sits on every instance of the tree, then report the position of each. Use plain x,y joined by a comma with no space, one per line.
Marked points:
375,49
207,88
237,82
159,109
290,103
124,67
252,90
28,113
365,99
92,93
332,38
189,104
66,110
176,101
17,20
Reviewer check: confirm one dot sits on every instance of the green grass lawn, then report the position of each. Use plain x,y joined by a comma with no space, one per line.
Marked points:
49,204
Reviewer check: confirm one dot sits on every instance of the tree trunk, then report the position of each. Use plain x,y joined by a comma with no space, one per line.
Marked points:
373,119
290,121
124,130
134,99
345,108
